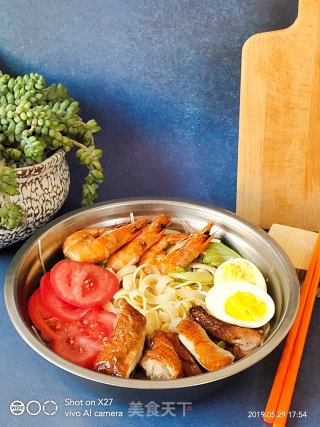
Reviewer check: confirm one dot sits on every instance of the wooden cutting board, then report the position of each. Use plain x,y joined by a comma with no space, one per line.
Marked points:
279,129
298,244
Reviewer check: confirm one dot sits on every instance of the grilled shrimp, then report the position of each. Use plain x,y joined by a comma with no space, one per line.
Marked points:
158,251
97,244
132,251
193,246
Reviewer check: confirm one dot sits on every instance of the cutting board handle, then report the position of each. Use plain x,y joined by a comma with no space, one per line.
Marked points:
308,12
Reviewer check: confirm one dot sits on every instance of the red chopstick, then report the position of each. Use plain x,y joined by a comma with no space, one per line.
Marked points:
271,410
290,380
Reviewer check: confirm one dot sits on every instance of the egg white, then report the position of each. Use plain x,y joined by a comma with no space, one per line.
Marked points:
217,296
241,262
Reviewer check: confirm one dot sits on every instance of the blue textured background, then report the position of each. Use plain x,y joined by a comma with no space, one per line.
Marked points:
161,77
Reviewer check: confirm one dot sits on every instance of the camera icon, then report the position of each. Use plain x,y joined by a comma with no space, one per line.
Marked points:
17,407
33,407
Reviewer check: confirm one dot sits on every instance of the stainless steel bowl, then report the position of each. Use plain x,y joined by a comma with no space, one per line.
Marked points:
251,242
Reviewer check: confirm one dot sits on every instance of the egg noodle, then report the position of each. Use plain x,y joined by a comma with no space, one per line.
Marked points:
163,300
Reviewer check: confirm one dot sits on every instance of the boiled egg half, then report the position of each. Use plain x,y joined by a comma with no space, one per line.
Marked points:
240,303
239,269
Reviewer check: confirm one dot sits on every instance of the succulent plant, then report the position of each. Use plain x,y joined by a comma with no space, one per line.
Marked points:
35,121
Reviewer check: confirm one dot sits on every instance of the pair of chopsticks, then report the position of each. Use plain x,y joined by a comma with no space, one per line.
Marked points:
278,406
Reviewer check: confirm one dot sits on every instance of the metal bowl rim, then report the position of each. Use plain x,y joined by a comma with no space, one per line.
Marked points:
245,363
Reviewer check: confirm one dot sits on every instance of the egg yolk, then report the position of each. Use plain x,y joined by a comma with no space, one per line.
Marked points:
238,272
245,306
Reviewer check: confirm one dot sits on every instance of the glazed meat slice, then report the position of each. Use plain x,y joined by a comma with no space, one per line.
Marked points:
122,351
245,340
206,352
189,365
160,360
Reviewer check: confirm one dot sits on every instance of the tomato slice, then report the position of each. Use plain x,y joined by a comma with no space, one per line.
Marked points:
83,284
51,326
81,350
56,305
84,344
98,323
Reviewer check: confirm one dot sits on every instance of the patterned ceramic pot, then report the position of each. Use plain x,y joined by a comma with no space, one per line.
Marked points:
43,190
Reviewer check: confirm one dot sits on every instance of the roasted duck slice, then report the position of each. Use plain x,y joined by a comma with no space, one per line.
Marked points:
245,340
160,360
122,351
206,352
189,365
